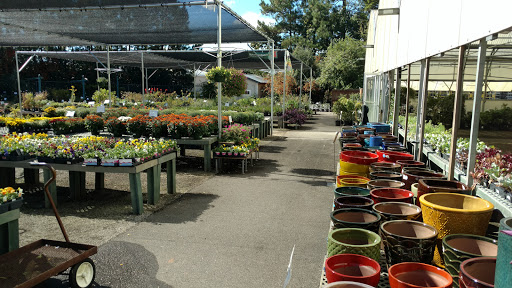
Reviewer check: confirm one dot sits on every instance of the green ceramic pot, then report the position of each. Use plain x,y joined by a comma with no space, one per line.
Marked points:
503,276
351,191
459,247
506,224
354,241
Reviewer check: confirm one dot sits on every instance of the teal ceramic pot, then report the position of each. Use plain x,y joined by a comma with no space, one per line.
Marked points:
354,241
503,276
460,247
479,273
408,241
356,218
506,224
351,191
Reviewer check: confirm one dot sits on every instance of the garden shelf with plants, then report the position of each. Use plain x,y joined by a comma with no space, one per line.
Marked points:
10,199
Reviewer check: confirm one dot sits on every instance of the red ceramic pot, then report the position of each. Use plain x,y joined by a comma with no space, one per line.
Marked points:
429,185
393,156
352,267
411,176
478,272
417,275
359,157
411,163
391,195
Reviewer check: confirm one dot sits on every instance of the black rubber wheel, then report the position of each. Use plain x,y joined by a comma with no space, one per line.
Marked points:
82,274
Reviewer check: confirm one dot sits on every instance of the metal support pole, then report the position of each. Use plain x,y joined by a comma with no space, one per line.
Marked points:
147,79
407,103
420,102
310,83
423,110
108,72
300,93
284,85
83,86
397,101
219,64
97,76
457,105
272,72
195,89
39,83
143,76
475,121
18,78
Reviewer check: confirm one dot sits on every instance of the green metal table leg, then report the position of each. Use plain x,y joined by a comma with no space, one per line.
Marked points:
99,181
153,184
207,157
136,193
52,189
182,150
171,176
31,176
77,185
9,231
8,177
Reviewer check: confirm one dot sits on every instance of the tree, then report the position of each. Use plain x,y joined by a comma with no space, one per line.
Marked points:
342,67
291,84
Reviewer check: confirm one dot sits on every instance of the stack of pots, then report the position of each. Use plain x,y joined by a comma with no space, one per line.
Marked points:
356,162
393,156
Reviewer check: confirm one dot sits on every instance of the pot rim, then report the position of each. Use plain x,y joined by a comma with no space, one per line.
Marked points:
479,237
395,202
410,194
375,265
375,236
411,222
422,182
423,201
342,210
386,180
420,266
477,259
503,222
366,199
361,285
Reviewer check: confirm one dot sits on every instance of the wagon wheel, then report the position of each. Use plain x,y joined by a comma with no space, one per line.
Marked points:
82,274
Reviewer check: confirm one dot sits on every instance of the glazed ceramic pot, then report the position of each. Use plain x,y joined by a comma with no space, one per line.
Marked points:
460,247
361,130
453,213
354,241
359,157
478,273
397,149
384,183
351,191
391,195
387,166
389,138
386,175
346,284
356,218
353,167
352,173
397,211
442,185
417,275
506,224
351,180
353,202
411,163
408,241
352,267
393,156
414,190
411,176
503,275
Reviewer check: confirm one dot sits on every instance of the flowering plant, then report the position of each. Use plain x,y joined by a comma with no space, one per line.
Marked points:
218,74
94,124
295,116
9,194
139,125
116,126
236,133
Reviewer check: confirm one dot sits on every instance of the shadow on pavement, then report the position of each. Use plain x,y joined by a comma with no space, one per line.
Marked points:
187,208
272,149
261,168
316,183
312,172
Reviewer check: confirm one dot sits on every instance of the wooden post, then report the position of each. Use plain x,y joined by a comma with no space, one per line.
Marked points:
457,105
136,193
153,184
397,101
99,181
171,176
423,110
407,103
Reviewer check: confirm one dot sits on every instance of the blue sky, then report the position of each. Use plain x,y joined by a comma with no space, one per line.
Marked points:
248,9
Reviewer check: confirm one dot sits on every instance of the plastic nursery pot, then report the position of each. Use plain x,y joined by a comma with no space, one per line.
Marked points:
359,157
452,213
408,241
478,272
387,166
411,163
397,211
411,176
384,183
393,156
351,180
347,284
506,224
354,241
391,195
352,267
460,247
353,202
351,191
386,175
356,218
416,275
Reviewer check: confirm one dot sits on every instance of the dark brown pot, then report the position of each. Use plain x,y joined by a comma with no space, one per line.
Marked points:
411,176
386,166
384,183
478,272
353,202
389,138
408,241
440,185
356,218
397,211
390,175
411,163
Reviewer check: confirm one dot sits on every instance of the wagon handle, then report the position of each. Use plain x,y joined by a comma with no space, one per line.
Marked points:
46,185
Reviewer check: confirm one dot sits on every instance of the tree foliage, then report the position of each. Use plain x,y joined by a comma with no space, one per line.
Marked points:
291,85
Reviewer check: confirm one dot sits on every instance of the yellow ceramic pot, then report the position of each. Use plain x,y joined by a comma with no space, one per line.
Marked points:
363,174
354,168
351,180
452,213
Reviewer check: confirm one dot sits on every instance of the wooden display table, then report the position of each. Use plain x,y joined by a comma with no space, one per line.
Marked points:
206,145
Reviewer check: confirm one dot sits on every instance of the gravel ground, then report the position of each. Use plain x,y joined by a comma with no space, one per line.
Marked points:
104,214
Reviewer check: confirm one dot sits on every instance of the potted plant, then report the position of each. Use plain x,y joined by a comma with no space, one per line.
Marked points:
94,124
10,199
218,74
116,126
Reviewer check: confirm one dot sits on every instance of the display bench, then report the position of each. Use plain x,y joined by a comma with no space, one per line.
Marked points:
245,159
205,144
77,178
431,157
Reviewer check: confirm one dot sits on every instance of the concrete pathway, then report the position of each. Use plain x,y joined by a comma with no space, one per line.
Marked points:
238,230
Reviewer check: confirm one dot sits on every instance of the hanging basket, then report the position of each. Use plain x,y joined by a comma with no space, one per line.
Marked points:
219,78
